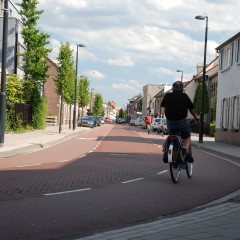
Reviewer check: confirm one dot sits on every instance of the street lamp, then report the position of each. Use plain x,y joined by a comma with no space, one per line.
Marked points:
203,79
91,101
75,88
3,73
181,75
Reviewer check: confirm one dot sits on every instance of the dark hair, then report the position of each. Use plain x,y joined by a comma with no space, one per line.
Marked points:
177,86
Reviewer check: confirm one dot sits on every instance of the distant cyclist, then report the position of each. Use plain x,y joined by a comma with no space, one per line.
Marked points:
176,105
148,121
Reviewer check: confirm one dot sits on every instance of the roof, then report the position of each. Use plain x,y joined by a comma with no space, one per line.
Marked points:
228,41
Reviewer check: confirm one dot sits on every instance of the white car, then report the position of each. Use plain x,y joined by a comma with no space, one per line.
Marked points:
155,123
132,122
162,127
101,119
138,122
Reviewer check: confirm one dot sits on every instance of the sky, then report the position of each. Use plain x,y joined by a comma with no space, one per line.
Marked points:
132,43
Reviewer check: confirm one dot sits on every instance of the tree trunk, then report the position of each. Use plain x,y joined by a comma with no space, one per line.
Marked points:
70,114
60,120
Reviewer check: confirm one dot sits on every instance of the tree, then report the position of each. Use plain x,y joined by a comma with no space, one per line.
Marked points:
197,99
83,96
98,104
66,78
34,60
13,90
13,96
122,113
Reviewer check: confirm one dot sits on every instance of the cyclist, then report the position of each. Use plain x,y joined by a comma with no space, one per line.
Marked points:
148,120
176,105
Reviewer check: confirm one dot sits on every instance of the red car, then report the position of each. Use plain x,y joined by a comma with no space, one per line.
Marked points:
107,120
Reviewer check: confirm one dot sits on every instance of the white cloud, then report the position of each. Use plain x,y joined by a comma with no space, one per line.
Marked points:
149,39
95,74
125,61
129,86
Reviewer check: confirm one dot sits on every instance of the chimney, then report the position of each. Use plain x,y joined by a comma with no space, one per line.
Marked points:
199,68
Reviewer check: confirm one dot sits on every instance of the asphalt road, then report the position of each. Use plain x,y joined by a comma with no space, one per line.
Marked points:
110,177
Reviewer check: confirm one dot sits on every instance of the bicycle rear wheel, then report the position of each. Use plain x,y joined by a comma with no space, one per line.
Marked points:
189,166
175,171
189,169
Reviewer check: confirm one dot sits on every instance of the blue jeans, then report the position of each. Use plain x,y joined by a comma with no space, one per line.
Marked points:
183,126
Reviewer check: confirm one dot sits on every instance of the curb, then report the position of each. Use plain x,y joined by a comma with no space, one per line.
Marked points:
232,158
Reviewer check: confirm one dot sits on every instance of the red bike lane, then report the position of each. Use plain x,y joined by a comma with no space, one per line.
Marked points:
115,177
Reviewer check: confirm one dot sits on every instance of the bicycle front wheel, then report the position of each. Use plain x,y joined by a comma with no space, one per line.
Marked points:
175,171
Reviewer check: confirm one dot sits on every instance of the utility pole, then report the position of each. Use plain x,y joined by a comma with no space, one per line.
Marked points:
3,74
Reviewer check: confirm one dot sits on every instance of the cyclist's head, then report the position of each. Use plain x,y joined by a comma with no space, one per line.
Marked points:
177,86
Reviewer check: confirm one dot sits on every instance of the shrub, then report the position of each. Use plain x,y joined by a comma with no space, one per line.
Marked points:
212,127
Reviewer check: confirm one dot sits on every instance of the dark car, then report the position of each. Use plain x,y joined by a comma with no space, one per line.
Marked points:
98,121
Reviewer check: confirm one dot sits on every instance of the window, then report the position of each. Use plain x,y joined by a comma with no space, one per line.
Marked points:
238,50
1,7
221,60
235,113
225,113
226,57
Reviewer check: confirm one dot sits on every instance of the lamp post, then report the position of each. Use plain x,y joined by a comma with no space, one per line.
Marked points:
203,79
75,88
91,101
3,77
181,75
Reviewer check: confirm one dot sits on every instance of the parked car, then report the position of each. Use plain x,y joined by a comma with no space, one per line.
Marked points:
121,120
143,123
156,122
138,122
107,120
162,126
101,119
132,122
98,121
87,121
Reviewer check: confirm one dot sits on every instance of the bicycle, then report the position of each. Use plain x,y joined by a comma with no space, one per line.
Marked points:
173,154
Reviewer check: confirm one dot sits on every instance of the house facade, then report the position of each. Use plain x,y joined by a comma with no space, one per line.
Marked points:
228,94
148,100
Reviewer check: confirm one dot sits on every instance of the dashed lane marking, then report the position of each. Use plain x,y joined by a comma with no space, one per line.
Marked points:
133,180
162,172
71,191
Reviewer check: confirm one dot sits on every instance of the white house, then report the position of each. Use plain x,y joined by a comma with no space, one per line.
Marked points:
228,96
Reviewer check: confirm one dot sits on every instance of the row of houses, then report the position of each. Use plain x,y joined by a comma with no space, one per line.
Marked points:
223,85
14,63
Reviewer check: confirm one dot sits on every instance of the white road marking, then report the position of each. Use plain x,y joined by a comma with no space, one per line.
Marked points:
86,138
133,180
32,165
64,160
162,172
71,191
83,156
